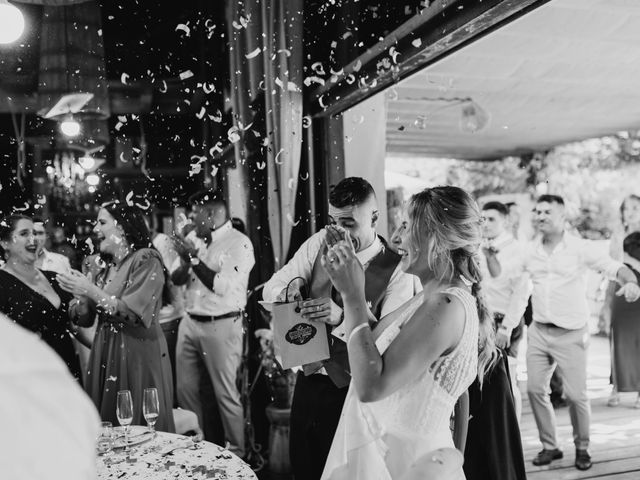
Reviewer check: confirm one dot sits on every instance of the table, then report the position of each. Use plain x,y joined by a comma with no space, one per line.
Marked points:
201,460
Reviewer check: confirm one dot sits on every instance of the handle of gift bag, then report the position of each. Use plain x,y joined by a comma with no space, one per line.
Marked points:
286,291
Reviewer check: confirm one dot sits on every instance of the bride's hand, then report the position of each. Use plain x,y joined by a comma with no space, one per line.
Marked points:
344,269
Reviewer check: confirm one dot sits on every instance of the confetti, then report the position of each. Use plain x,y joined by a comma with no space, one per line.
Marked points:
129,199
184,28
186,74
124,77
253,54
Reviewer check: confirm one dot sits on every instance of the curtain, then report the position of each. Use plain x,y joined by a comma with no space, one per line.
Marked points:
266,55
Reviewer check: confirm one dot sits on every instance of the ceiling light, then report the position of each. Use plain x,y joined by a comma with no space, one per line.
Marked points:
87,162
11,23
93,180
473,117
70,128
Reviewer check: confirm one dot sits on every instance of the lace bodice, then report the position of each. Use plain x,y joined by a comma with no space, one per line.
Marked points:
425,405
381,440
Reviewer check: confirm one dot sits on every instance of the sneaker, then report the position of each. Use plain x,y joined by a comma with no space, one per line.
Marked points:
545,457
614,399
583,460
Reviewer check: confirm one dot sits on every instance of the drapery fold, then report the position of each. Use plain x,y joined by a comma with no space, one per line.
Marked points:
266,61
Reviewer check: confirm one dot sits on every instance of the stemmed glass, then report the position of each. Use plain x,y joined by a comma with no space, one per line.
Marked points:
151,407
124,412
105,439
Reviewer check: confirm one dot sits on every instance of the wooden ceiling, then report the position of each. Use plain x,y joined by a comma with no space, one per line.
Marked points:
568,70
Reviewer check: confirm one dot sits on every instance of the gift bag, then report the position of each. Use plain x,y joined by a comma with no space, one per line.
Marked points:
297,341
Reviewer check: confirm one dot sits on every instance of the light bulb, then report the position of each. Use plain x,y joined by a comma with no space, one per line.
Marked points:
87,162
11,23
70,128
473,118
93,180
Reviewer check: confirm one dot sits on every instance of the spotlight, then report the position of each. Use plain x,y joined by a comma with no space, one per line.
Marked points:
70,128
87,162
93,180
11,23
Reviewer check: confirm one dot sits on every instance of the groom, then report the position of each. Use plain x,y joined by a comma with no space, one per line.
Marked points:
321,387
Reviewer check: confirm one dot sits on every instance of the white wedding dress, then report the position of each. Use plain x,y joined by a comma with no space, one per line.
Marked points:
382,440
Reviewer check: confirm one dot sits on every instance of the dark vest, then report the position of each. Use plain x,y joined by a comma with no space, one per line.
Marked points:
377,276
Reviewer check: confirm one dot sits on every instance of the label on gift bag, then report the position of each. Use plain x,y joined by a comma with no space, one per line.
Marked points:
296,340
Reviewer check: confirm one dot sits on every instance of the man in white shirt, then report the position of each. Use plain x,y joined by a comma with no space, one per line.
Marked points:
556,262
46,260
499,258
215,261
49,424
321,390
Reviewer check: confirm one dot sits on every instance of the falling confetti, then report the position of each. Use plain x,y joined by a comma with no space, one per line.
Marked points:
184,28
291,221
129,199
253,54
186,74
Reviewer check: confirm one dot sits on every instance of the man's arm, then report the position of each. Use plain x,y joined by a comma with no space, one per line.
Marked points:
301,265
492,262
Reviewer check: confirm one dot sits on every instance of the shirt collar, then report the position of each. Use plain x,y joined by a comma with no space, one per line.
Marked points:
501,240
221,230
371,251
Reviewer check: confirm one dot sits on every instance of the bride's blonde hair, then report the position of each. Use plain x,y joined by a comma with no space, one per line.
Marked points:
447,222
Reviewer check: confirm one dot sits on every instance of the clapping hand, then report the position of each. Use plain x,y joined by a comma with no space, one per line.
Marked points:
630,291
75,282
185,248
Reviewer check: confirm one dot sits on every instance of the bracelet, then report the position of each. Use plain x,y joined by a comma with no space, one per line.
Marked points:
356,330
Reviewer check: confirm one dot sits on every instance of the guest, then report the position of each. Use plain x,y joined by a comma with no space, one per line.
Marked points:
215,262
129,350
31,297
500,252
170,314
625,325
46,260
49,425
557,262
321,388
410,370
60,245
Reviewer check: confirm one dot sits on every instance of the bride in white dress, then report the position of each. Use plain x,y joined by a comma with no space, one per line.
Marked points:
408,373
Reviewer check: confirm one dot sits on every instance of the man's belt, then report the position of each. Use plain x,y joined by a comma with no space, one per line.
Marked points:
213,318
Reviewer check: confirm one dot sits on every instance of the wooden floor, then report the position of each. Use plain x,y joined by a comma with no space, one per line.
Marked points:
615,432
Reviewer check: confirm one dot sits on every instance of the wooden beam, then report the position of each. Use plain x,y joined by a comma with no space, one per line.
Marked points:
437,31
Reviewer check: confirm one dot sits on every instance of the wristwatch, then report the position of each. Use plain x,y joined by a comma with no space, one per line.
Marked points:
194,261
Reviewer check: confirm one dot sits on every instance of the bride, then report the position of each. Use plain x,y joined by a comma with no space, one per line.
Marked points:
408,373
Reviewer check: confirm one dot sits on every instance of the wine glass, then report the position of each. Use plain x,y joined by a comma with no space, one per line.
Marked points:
105,439
124,412
151,407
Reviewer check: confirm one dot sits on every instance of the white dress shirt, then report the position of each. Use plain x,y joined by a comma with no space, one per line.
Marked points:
399,290
169,255
54,262
560,281
49,424
499,290
230,254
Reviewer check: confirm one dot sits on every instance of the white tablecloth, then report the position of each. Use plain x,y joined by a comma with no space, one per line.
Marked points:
202,460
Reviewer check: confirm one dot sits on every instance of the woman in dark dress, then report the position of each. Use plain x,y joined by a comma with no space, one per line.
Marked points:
129,350
32,297
625,330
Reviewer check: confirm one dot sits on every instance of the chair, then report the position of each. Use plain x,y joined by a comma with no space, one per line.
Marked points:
460,421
